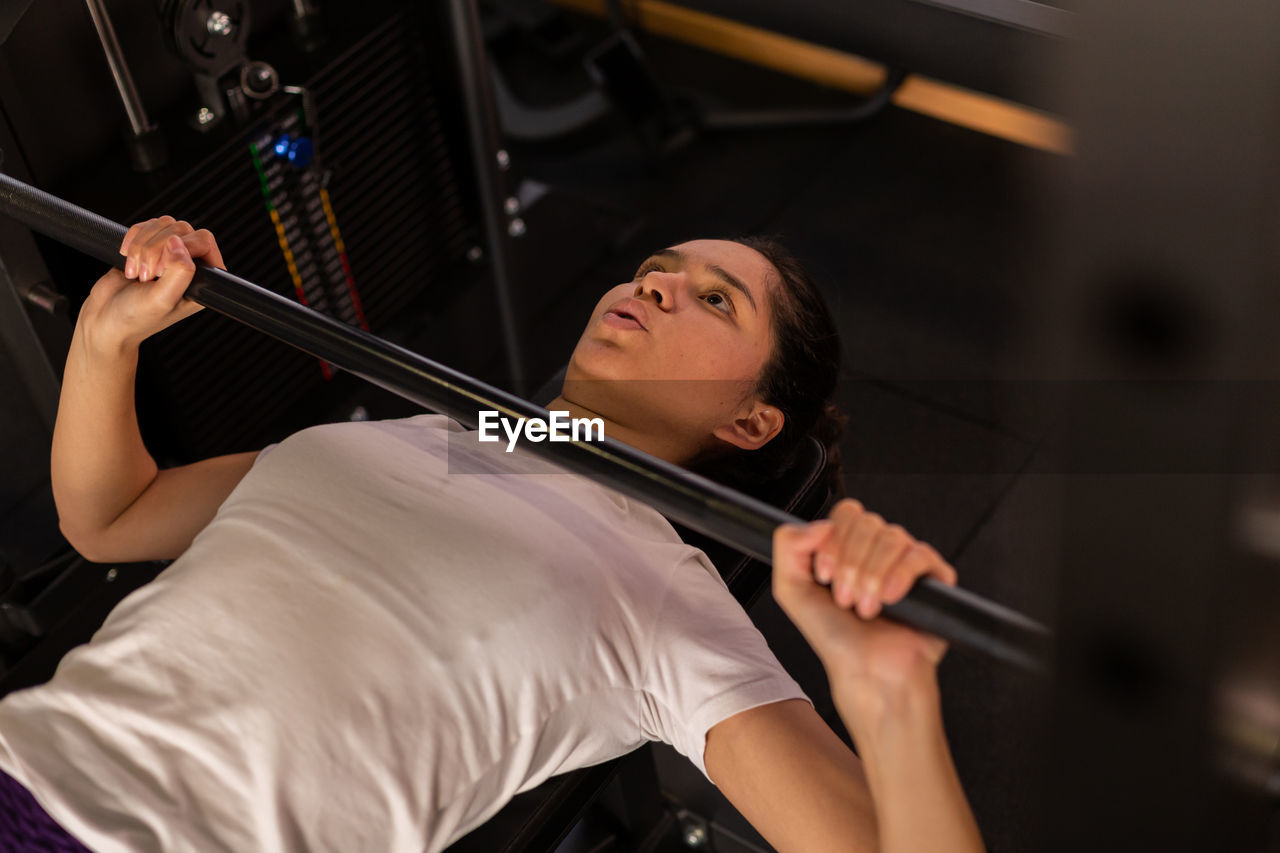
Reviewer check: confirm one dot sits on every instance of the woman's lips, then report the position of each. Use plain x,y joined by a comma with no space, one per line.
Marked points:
621,321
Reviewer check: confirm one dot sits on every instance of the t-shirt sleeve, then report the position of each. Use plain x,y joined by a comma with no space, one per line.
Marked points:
707,663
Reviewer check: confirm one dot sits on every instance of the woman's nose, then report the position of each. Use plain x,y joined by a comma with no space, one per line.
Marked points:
660,285
647,288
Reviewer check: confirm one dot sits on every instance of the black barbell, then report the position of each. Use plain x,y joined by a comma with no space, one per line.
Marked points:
746,524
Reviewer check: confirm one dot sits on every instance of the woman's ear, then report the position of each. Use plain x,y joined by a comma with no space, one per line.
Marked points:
752,429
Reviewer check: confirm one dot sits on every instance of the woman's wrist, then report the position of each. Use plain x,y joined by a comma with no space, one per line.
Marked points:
868,704
897,727
102,347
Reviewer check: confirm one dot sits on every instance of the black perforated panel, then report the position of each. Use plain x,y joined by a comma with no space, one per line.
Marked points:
210,386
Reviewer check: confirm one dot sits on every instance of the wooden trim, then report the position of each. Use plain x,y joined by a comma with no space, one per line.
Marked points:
954,104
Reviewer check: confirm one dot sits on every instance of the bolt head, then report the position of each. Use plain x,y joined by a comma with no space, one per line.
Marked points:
504,159
218,24
111,575
511,205
516,228
206,116
695,836
475,253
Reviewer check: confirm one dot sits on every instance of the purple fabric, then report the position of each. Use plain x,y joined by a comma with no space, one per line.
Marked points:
27,828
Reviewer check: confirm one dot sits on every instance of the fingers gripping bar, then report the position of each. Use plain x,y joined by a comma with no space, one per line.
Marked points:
962,618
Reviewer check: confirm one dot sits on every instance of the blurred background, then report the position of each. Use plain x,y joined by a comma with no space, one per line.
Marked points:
1007,204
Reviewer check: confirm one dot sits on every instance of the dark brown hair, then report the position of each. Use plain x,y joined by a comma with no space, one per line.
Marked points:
799,378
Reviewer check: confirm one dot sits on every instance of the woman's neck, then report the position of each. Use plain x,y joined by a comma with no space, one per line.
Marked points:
672,450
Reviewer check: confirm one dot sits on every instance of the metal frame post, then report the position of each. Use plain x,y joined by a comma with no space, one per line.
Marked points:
1164,301
490,160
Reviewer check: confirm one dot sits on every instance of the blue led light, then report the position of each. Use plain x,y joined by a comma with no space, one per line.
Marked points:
282,145
300,152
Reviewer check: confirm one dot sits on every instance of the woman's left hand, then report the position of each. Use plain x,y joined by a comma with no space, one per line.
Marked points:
868,563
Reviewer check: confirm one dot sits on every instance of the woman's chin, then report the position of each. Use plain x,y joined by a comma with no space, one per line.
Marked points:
602,361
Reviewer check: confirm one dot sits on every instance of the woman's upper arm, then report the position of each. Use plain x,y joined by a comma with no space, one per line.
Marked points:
796,782
161,523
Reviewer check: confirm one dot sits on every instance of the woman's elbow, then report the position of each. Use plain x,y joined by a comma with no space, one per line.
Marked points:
87,543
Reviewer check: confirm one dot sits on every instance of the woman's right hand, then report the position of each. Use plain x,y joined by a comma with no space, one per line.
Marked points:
868,563
125,308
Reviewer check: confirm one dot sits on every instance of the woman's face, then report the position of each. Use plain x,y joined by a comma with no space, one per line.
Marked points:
682,346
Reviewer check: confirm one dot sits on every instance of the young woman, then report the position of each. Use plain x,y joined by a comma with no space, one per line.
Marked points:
375,634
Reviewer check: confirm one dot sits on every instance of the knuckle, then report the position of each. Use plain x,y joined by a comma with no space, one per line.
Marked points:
936,558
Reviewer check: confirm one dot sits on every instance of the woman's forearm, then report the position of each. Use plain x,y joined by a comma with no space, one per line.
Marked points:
919,802
99,464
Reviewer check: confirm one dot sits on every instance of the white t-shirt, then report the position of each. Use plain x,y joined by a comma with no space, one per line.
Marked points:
387,632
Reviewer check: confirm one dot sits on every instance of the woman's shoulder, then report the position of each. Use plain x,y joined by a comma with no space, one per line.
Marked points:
424,422
359,432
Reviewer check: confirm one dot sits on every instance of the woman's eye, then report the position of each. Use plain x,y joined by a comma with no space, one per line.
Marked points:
720,300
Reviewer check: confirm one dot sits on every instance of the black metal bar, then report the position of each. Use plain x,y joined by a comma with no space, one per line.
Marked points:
119,70
739,521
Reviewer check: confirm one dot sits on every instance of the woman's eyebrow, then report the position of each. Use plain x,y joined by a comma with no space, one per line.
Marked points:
720,272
